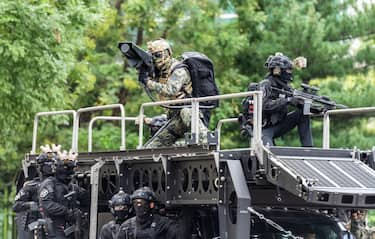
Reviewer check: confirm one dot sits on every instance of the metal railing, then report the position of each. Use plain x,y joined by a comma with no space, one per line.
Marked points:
110,118
326,120
96,108
218,129
51,113
195,112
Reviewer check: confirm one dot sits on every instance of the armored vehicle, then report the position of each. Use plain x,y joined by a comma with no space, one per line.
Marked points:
252,192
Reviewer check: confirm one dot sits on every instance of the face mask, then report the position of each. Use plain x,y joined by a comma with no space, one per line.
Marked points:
142,211
64,175
121,215
286,76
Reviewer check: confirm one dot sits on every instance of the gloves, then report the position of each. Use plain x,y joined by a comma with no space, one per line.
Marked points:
293,101
33,206
143,75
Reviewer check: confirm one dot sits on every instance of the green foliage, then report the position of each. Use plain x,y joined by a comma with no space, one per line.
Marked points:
39,42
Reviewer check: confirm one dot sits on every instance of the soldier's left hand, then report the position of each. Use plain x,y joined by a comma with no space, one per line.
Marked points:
143,76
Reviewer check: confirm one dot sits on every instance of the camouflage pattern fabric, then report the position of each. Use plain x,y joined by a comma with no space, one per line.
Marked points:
175,129
358,225
174,85
177,85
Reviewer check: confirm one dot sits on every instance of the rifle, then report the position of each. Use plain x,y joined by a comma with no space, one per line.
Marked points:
76,227
312,103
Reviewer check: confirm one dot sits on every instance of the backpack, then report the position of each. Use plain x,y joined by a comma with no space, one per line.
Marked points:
202,75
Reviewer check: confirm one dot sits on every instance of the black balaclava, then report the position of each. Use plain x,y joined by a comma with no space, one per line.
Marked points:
64,173
286,76
121,215
143,211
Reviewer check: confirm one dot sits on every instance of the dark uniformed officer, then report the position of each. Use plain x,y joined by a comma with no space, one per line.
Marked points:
52,202
121,209
26,201
146,224
277,120
26,204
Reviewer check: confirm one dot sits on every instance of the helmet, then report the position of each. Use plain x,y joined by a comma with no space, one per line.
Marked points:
278,60
120,205
161,53
280,65
120,198
65,166
144,193
46,163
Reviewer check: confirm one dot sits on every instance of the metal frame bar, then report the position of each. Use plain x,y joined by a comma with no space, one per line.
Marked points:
218,129
241,229
326,120
111,118
96,108
50,113
195,109
94,180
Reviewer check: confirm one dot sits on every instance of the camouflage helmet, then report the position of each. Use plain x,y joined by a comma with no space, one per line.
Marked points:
278,61
161,53
144,193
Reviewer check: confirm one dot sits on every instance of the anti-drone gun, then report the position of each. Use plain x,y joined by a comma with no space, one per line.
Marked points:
311,102
137,57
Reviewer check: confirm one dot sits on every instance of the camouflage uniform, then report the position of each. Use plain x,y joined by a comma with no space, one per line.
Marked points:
358,225
174,85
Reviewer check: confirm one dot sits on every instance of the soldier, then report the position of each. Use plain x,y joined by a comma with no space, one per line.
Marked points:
358,223
26,201
53,201
26,204
146,224
170,84
277,120
121,209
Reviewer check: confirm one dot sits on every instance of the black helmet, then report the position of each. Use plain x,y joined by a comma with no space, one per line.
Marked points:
278,60
120,198
120,205
46,163
144,193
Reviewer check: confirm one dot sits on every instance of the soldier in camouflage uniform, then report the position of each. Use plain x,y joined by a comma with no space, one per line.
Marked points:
170,84
358,223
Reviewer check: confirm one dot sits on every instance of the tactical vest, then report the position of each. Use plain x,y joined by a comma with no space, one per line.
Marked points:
186,89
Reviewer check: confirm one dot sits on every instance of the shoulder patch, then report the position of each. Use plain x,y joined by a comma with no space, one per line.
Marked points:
43,193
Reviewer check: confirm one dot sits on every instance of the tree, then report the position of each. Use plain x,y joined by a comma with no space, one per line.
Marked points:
39,41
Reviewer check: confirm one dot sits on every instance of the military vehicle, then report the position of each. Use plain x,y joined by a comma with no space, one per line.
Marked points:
252,192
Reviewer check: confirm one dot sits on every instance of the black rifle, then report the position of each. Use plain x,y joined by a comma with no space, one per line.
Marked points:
74,204
312,103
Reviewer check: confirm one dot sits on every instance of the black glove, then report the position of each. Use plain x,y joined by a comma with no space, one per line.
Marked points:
143,75
73,214
293,101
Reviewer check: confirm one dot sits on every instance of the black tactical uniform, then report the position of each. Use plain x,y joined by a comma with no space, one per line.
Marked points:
53,203
277,120
26,207
120,206
146,224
